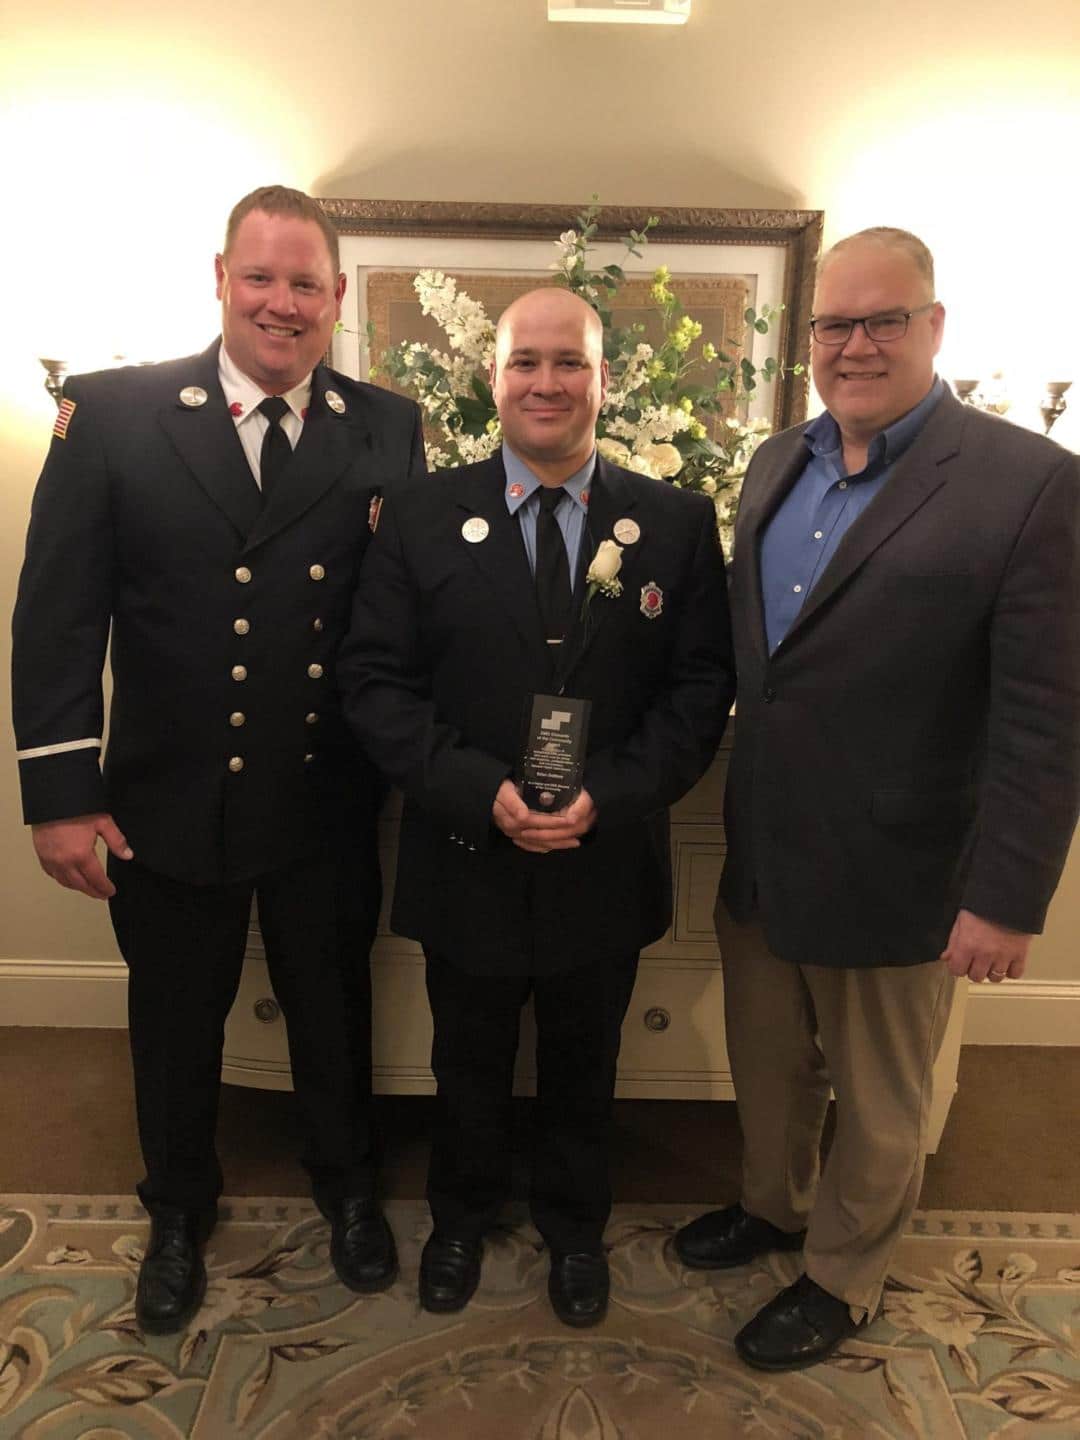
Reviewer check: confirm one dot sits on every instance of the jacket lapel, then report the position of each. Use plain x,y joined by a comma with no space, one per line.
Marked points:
500,556
918,473
756,509
334,435
206,440
610,499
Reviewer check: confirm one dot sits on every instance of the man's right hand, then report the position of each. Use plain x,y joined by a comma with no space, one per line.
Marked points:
66,851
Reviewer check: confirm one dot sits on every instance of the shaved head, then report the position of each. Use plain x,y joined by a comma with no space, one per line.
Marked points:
549,303
549,379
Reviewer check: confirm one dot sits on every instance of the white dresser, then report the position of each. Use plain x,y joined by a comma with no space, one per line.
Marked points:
673,1035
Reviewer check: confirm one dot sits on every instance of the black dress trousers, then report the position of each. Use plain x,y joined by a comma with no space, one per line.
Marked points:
184,947
579,1015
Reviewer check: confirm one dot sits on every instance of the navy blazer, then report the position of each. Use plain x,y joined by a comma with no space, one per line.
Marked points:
444,650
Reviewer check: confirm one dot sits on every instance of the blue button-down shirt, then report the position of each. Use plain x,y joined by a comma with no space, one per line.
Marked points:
522,500
822,505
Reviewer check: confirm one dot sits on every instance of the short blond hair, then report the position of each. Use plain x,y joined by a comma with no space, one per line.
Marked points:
889,237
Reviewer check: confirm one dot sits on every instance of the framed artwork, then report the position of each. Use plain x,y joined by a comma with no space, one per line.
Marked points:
721,261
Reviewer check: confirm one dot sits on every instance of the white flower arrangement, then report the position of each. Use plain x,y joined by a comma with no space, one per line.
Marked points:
657,413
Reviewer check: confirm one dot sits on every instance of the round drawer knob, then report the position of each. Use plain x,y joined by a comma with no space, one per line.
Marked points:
267,1010
657,1019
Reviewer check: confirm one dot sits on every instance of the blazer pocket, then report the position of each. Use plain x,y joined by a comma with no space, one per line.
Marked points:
919,807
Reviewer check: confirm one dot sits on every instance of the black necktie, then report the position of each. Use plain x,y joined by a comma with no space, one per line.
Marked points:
553,593
276,450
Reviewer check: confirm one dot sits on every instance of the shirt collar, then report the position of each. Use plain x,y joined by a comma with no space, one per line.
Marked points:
522,484
823,434
243,396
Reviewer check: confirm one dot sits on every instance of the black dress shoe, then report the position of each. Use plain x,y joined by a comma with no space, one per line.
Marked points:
798,1327
578,1288
721,1239
362,1248
449,1272
172,1277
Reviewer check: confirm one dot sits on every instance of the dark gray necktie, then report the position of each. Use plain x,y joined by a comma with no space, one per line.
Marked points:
553,593
276,450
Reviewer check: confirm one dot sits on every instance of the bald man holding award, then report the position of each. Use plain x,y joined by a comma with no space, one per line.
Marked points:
540,658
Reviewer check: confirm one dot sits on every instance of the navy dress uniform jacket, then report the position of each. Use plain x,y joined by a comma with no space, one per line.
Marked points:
444,650
913,744
227,755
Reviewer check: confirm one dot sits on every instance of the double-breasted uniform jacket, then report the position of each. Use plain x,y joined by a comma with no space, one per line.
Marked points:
227,755
913,744
444,650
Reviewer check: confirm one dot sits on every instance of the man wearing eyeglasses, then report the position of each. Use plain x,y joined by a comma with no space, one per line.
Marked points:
904,783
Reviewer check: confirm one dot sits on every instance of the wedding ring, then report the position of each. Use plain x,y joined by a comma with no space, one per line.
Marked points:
998,974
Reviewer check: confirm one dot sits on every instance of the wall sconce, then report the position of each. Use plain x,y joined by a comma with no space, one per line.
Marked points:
621,12
1053,406
55,374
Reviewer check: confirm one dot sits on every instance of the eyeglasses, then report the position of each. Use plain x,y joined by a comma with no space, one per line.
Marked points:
890,325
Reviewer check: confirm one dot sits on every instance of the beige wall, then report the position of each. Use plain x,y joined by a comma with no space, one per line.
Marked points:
128,132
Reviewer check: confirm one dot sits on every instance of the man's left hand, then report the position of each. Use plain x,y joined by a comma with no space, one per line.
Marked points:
982,950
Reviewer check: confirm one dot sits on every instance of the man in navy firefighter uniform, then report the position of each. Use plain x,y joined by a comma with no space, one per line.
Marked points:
464,611
213,512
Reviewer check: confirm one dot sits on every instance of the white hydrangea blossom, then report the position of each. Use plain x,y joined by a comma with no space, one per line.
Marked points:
632,378
464,319
478,447
656,423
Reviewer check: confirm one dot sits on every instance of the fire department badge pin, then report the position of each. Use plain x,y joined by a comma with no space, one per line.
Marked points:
652,600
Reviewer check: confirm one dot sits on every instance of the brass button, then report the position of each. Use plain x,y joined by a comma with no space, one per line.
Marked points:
308,758
311,718
241,626
315,672
237,718
243,574
239,672
317,572
316,624
236,763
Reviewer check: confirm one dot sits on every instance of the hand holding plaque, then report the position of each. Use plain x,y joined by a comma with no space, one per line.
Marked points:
552,759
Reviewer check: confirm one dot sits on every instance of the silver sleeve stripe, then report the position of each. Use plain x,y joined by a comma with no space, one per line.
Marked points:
40,750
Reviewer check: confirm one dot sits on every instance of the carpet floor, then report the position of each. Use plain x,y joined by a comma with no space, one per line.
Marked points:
978,1338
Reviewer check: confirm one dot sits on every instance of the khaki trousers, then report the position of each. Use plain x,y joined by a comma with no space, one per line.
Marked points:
873,1034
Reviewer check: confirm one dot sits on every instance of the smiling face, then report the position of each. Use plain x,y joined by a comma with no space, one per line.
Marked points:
279,299
549,379
866,384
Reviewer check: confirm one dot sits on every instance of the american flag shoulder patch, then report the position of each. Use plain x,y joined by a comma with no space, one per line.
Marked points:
63,419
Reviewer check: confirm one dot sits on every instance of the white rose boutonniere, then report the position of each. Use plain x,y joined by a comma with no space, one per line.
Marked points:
603,573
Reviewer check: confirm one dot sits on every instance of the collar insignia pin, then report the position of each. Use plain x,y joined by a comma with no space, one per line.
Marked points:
516,490
336,403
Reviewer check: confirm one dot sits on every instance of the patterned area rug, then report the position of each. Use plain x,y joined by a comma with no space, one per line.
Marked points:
980,1337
